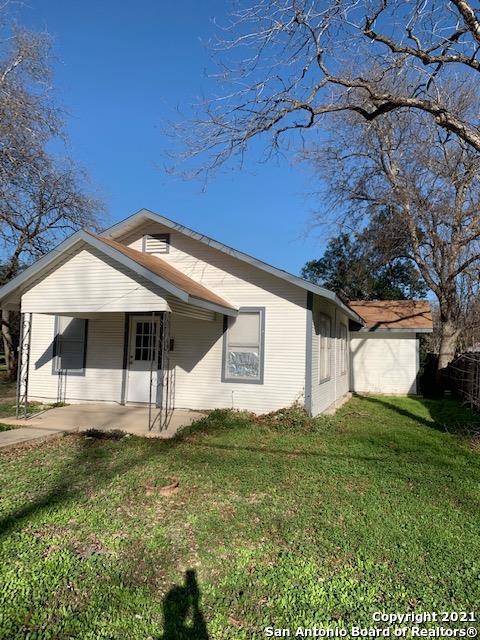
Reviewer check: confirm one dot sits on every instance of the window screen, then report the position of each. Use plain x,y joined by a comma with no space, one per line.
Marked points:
244,347
70,344
325,344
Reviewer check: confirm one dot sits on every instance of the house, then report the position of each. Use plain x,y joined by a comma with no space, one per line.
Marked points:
151,312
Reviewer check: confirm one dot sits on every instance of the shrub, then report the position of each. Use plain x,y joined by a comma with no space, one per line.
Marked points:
294,418
218,420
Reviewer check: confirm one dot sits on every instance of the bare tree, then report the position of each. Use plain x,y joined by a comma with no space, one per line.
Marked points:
469,334
42,197
284,65
429,182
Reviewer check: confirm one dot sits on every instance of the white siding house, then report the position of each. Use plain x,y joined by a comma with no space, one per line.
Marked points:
153,312
197,353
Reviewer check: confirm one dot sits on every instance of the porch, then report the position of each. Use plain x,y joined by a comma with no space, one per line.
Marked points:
96,327
103,417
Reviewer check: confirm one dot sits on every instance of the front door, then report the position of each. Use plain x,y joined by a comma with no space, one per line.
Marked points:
143,358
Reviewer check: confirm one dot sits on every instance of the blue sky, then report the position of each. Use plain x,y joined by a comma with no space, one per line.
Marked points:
122,70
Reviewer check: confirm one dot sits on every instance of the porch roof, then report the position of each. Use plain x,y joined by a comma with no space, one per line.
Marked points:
150,268
164,270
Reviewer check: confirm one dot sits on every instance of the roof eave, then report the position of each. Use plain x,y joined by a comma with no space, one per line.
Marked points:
83,237
211,306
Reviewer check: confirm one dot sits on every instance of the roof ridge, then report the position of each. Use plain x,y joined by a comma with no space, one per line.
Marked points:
147,214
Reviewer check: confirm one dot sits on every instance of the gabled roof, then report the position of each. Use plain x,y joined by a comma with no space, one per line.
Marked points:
165,270
144,215
395,315
153,269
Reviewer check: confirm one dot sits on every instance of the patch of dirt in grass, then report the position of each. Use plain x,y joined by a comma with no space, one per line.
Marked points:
50,531
227,513
87,548
358,485
143,567
99,434
255,498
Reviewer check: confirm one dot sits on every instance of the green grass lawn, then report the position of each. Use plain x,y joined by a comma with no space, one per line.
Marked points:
8,404
280,521
8,410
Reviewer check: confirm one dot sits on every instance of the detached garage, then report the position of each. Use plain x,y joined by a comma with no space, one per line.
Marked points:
385,352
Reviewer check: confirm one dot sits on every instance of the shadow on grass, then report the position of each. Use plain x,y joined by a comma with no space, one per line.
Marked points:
448,416
289,453
94,465
183,618
388,461
92,468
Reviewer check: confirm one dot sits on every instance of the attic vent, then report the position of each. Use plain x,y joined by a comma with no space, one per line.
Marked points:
156,243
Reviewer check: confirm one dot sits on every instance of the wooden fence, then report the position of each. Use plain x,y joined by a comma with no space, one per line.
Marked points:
464,378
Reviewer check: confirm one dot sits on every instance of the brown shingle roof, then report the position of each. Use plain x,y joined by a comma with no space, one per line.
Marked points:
161,268
394,314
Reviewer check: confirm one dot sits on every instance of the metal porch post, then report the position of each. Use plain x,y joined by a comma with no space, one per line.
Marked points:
23,364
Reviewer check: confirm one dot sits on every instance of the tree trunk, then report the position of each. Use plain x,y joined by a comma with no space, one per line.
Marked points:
8,346
448,340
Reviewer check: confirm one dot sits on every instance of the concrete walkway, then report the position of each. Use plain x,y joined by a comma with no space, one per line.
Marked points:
80,417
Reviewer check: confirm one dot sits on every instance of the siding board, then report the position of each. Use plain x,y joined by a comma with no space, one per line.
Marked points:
87,282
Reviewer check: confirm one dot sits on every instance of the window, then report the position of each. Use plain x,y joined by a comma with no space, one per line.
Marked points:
325,345
244,346
145,341
343,335
156,243
70,345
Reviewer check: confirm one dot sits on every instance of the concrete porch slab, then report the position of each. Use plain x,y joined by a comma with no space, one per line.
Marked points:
80,417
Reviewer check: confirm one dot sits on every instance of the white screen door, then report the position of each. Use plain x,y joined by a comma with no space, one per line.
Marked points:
143,358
